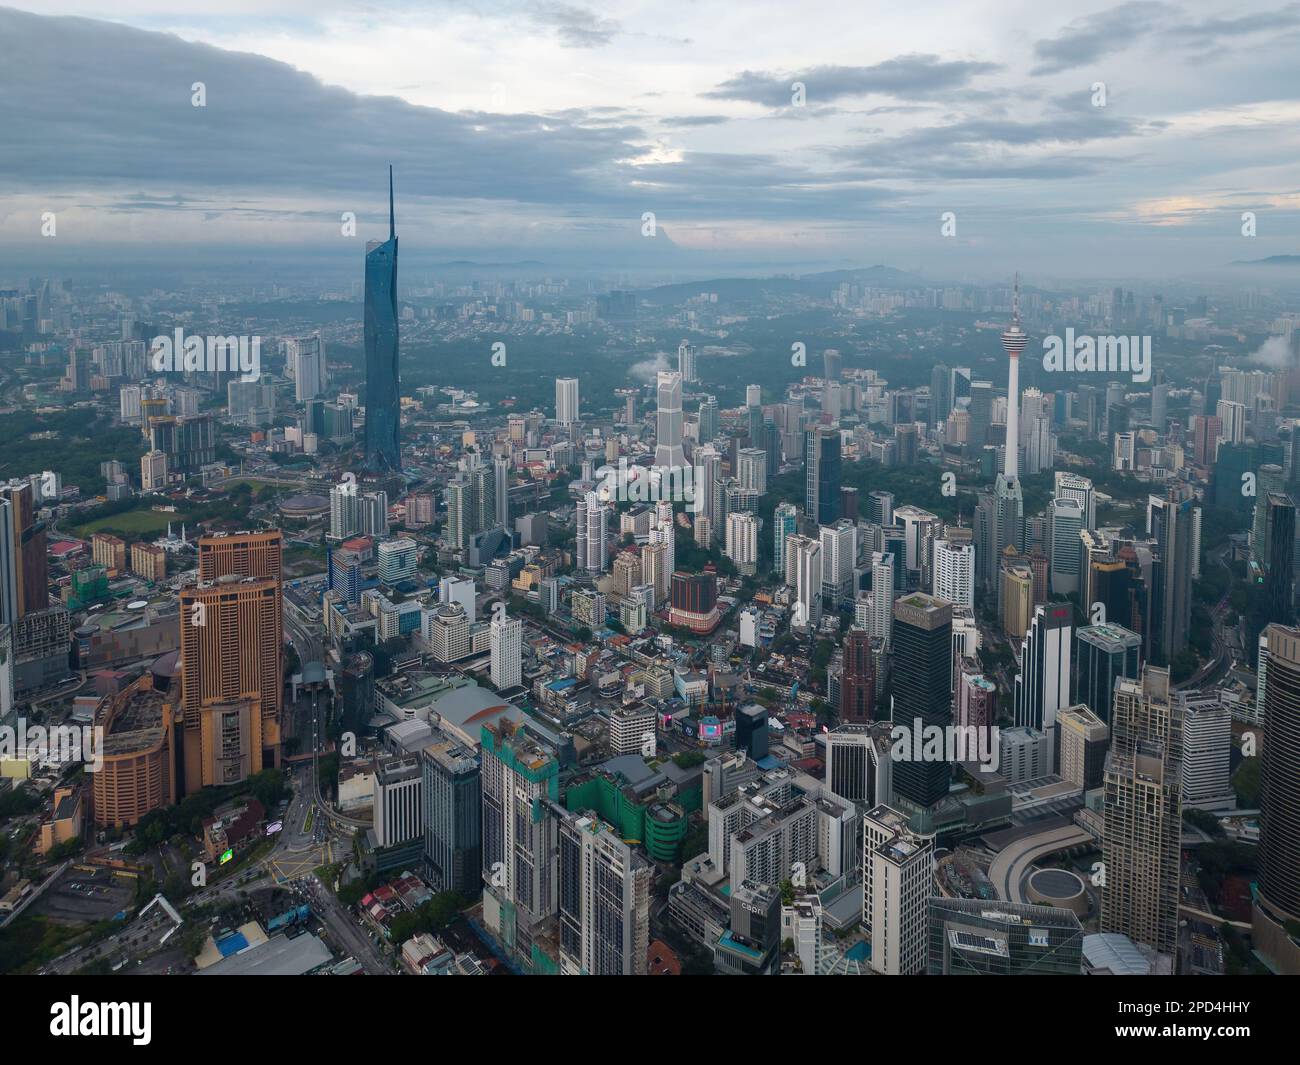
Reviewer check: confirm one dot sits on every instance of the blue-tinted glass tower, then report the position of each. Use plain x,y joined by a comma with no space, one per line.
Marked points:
383,419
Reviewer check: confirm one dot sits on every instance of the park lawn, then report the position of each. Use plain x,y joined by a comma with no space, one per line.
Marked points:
139,522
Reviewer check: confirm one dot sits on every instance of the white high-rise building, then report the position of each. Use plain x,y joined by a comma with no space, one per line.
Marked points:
753,468
897,881
1042,687
753,396
668,421
839,556
803,573
801,924
398,806
686,362
604,905
592,520
566,400
345,510
742,542
883,564
305,359
1207,753
1066,520
920,527
954,572
1072,486
1232,422
507,651
785,522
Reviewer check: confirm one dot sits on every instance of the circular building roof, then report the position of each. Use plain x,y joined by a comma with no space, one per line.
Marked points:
305,505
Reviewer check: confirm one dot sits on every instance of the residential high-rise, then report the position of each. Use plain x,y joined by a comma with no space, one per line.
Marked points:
1142,813
453,817
231,658
1043,683
822,475
566,400
686,362
785,522
592,521
383,443
858,681
507,635
1103,654
521,785
897,881
884,571
922,694
803,573
742,542
1277,904
305,357
668,420
753,468
839,557
604,901
1083,741
954,572
24,545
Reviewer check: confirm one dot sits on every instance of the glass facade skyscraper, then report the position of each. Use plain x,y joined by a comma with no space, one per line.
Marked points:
383,415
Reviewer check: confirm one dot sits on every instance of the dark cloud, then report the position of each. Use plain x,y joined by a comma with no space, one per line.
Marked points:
1093,37
575,27
914,76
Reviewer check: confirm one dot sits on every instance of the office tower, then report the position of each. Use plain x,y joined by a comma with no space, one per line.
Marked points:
10,564
1017,596
1232,422
803,573
849,504
880,508
940,393
1080,489
752,945
753,469
742,542
1279,545
566,400
686,362
980,412
785,522
751,730
593,520
1103,654
708,420
1269,480
970,937
398,560
922,693
25,542
694,599
1171,595
1207,752
832,364
839,557
305,359
1277,904
1066,519
501,491
383,405
604,901
668,420
1142,813
920,528
231,658
507,651
520,781
398,804
857,768
884,584
858,682
822,475
954,572
453,817
1206,432
1043,683
1084,738
897,870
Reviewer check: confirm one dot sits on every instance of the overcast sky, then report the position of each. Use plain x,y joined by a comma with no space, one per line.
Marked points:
547,130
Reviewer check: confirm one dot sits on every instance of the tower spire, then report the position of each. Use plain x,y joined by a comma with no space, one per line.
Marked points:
392,221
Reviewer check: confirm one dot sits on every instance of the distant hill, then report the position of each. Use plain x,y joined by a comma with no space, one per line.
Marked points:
1272,260
734,288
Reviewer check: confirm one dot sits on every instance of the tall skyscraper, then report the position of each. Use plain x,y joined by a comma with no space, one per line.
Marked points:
884,584
1072,486
383,399
954,572
1171,521
668,420
1142,813
1009,502
897,874
1066,519
604,901
231,657
1103,654
1043,683
501,491
507,651
822,475
1278,903
922,690
453,817
25,540
858,682
566,400
785,522
803,573
686,362
1279,580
